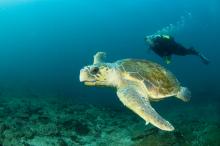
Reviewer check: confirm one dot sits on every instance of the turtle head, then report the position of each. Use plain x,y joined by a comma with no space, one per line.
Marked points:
98,73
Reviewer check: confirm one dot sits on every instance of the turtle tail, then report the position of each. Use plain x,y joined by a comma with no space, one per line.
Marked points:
184,94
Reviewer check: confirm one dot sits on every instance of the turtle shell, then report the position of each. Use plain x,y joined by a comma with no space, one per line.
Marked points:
158,81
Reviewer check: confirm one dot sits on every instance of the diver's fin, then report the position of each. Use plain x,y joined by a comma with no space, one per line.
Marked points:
204,59
135,101
201,56
184,94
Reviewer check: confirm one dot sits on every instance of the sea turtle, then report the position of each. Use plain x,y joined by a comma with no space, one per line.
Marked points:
137,82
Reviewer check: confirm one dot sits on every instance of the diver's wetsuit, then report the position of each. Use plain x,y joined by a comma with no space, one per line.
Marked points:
166,46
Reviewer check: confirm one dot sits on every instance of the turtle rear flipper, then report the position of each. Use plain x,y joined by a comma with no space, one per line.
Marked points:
184,94
132,99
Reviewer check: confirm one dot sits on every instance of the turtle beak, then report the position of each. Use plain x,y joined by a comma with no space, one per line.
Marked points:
83,76
86,78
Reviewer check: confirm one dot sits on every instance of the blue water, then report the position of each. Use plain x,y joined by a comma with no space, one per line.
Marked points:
44,43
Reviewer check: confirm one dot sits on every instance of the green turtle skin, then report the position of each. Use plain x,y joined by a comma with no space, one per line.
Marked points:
137,83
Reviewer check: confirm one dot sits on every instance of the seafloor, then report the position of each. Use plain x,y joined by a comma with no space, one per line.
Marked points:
51,122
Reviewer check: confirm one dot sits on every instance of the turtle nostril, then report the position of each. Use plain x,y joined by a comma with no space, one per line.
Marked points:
94,70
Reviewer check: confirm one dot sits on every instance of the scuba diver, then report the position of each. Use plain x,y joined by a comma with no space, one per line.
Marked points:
165,46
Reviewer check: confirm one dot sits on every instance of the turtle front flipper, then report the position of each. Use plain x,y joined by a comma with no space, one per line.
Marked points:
132,99
99,57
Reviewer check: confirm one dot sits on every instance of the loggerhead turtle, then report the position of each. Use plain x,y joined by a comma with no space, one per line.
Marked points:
137,82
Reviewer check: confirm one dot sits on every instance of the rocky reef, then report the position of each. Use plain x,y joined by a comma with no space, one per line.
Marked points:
50,122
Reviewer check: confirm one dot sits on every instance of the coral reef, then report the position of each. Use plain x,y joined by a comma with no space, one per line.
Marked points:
49,122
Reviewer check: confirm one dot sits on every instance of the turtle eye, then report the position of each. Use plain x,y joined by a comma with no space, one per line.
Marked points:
94,70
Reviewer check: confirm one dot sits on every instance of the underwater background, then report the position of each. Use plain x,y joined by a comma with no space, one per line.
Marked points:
45,43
